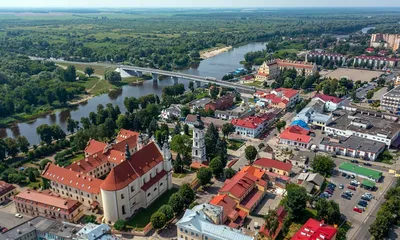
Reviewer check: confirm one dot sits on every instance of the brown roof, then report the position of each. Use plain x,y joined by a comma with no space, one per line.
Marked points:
271,163
72,179
47,200
154,180
138,164
294,64
94,146
5,188
125,134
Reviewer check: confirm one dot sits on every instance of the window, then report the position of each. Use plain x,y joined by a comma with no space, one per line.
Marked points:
206,237
148,194
88,195
196,135
155,189
123,210
122,196
132,189
82,193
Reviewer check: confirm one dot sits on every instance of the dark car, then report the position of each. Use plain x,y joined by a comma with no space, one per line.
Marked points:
365,198
331,185
345,196
362,203
368,164
354,161
348,176
344,174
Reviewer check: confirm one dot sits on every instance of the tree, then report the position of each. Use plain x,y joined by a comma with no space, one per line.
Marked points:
89,71
185,110
328,211
369,94
45,133
131,104
120,225
167,211
214,90
177,129
85,123
23,144
122,122
69,74
229,173
216,166
181,144
186,129
178,164
12,147
31,176
176,202
380,227
57,133
158,220
204,175
281,124
72,125
295,200
323,165
250,153
113,76
187,194
3,150
191,86
211,137
227,129
43,163
271,222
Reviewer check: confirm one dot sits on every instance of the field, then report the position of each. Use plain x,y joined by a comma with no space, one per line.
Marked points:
352,74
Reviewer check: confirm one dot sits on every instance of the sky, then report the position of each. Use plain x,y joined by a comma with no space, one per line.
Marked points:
196,3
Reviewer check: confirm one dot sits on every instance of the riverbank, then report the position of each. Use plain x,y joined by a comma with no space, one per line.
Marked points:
214,52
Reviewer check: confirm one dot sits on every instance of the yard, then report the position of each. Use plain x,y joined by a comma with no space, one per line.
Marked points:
142,217
234,144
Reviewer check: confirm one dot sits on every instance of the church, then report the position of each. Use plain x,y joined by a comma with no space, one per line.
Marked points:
119,178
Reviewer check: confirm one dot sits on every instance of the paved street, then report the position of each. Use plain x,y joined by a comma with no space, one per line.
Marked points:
361,94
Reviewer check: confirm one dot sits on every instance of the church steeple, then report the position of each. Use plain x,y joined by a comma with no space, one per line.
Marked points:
127,152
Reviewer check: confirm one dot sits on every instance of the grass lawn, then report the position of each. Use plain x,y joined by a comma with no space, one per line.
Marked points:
253,84
179,175
295,226
99,70
142,217
234,144
290,50
89,83
102,86
35,185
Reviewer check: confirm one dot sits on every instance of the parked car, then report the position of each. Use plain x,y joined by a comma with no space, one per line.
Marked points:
17,215
331,185
348,176
367,164
352,176
351,187
356,209
341,186
350,193
355,182
345,196
354,161
365,198
344,174
362,203
329,191
4,230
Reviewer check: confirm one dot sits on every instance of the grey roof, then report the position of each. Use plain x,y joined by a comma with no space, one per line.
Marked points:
394,93
309,186
302,156
355,143
200,102
61,229
237,112
174,108
198,222
313,111
198,123
93,231
316,178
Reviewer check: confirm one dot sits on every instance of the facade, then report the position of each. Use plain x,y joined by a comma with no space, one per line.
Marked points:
278,98
312,56
295,136
275,166
232,216
313,114
222,103
389,41
247,187
359,171
6,191
45,204
330,103
390,101
308,68
268,70
375,62
199,144
174,111
353,147
252,126
239,112
314,229
133,177
202,223
375,126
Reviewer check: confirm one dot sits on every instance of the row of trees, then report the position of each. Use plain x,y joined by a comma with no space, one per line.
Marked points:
11,147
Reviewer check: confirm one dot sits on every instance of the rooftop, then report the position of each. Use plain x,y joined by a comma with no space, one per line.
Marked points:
200,102
271,163
394,93
326,98
355,143
5,188
358,170
315,230
253,121
295,64
296,133
93,231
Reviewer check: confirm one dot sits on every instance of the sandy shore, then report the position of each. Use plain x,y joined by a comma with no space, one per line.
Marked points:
214,52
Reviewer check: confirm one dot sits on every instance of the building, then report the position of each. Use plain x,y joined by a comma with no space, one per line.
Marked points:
222,103
330,103
281,214
370,50
93,231
239,112
268,70
43,228
359,171
133,178
303,159
310,181
338,58
389,41
278,98
199,103
252,126
353,147
232,216
45,204
6,191
199,144
314,229
199,224
313,114
397,81
247,187
173,112
295,136
390,101
375,62
301,67
375,126
191,119
275,166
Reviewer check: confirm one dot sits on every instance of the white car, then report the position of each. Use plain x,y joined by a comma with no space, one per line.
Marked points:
17,215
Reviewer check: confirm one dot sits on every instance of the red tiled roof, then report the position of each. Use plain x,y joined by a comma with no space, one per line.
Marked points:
137,165
94,146
296,133
72,179
327,98
370,49
125,134
294,64
5,188
287,92
228,205
252,121
270,163
315,230
47,201
262,74
154,180
251,199
377,58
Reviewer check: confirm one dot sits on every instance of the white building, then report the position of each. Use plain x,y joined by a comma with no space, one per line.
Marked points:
199,145
330,103
312,56
252,126
174,111
390,101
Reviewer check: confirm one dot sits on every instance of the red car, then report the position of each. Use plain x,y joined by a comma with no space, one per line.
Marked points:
351,187
356,209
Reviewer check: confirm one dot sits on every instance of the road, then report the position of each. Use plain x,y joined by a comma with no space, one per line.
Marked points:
361,94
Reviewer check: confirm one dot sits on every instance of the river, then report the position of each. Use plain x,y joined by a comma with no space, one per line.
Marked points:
213,67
